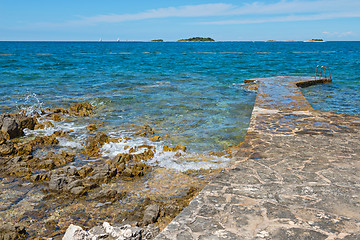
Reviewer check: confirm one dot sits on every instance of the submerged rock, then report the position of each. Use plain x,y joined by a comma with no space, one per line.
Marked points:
151,214
10,231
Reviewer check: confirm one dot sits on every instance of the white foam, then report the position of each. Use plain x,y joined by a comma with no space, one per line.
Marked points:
177,160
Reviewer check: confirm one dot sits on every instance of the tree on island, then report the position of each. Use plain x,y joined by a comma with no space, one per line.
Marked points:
197,39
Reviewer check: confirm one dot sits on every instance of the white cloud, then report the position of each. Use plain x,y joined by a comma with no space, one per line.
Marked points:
339,34
218,9
256,12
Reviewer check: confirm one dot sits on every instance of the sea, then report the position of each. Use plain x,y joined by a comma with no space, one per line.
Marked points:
189,93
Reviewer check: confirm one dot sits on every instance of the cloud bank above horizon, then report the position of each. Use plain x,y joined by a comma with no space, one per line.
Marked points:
189,17
281,11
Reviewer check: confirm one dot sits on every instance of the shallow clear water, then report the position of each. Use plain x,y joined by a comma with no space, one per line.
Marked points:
191,91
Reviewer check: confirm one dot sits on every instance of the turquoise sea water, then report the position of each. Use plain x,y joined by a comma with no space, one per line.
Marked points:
191,91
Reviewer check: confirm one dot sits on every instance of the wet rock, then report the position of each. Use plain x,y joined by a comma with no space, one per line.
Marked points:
10,231
58,182
84,171
109,195
74,184
145,130
10,126
2,138
46,140
39,177
93,144
91,128
82,109
46,164
27,122
174,149
6,148
77,233
155,138
151,214
79,191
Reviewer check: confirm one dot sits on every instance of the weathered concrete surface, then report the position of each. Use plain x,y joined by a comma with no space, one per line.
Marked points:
296,175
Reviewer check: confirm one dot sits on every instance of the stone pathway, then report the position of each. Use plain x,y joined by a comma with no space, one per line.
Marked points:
296,175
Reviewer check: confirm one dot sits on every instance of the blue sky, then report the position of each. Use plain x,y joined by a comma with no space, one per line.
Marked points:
223,20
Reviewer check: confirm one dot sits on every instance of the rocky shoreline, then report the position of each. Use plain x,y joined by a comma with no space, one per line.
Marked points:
65,194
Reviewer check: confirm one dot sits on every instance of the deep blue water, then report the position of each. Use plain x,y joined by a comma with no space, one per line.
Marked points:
193,91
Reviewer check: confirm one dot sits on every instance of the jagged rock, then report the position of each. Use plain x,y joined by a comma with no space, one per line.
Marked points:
109,195
82,109
10,231
155,138
77,233
124,232
91,128
2,138
79,191
84,171
174,149
6,148
151,214
145,130
27,122
10,126
58,182
93,144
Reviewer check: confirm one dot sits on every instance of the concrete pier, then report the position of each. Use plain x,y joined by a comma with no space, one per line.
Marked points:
295,176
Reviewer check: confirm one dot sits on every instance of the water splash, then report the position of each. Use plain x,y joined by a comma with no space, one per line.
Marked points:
31,105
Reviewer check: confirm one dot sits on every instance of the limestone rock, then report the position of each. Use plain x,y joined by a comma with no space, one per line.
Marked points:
11,127
82,109
93,144
10,231
77,233
151,214
6,148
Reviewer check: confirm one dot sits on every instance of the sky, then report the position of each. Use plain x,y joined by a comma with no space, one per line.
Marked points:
171,20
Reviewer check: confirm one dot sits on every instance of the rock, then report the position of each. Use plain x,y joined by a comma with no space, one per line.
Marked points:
6,148
155,138
93,144
27,122
58,182
77,233
11,127
109,195
99,232
82,109
174,149
180,147
74,184
2,138
79,191
10,231
84,171
106,231
91,128
151,214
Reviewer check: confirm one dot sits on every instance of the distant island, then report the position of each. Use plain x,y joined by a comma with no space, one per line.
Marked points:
157,40
197,39
315,40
